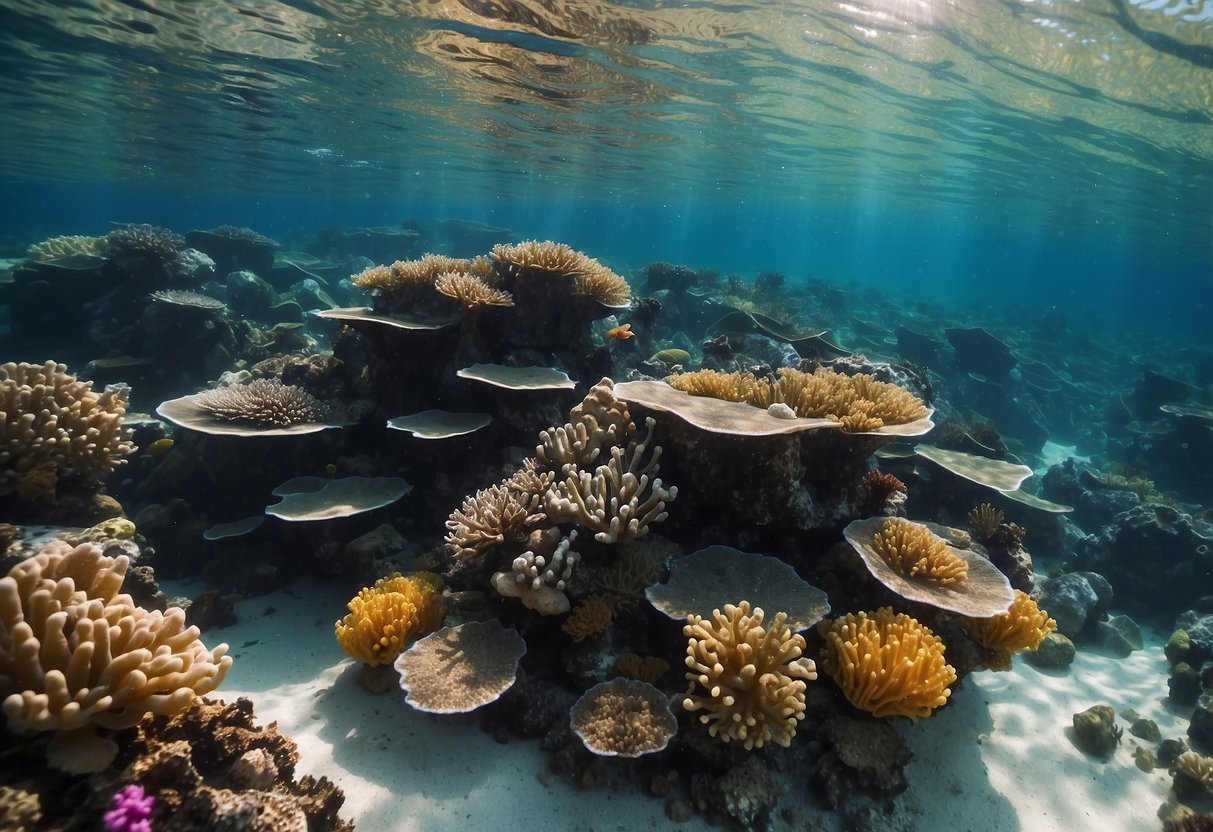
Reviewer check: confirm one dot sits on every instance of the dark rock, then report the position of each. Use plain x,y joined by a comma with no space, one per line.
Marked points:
977,351
1146,729
1080,484
1200,729
1068,599
865,758
1169,750
1096,731
1056,652
747,794
249,295
1121,635
211,609
1184,684
1199,632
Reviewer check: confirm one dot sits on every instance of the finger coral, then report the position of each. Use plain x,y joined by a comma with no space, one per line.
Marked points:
914,552
887,664
753,677
262,402
52,425
387,617
75,654
538,576
1022,627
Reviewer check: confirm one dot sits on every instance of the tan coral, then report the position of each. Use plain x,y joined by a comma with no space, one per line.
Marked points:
459,669
75,654
587,277
51,425
1195,768
388,616
645,668
623,718
752,677
591,617
408,276
887,664
262,401
1022,627
631,572
539,576
67,246
598,422
914,552
470,290
985,520
493,514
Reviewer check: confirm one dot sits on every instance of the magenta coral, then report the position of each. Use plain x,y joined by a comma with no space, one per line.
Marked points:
132,810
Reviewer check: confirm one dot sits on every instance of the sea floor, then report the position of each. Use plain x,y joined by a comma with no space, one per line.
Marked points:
998,758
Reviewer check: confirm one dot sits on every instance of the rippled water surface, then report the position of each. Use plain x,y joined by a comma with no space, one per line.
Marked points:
1082,113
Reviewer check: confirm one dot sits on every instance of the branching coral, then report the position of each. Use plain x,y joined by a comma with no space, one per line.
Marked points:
590,617
538,576
599,421
645,668
143,243
67,246
858,402
985,520
493,514
1197,769
914,552
887,664
385,618
587,277
263,402
51,425
75,654
754,676
620,499
1022,627
407,277
470,290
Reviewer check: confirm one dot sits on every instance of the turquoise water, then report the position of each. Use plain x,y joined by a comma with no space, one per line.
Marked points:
1060,152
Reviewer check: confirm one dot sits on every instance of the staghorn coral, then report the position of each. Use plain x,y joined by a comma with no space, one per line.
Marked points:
590,617
914,552
623,718
985,520
1022,627
531,260
493,514
887,664
67,246
619,500
470,290
262,402
645,668
52,425
858,403
538,576
75,654
385,618
754,676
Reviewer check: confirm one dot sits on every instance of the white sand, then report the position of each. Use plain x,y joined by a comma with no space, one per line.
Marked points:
998,757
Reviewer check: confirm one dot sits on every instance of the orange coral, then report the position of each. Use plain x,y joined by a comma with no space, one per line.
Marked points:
914,552
388,616
592,616
1022,627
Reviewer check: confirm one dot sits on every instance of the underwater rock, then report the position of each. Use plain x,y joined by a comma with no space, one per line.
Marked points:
1069,599
1183,685
747,794
1121,635
1170,749
977,351
358,560
1081,485
865,758
1146,729
1200,729
1096,731
1056,652
249,295
1178,646
1196,644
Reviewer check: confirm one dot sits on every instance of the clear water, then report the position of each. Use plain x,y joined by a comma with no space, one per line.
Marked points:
1055,151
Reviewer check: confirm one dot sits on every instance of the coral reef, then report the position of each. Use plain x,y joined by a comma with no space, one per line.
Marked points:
914,552
384,618
1022,627
887,664
753,677
623,718
460,669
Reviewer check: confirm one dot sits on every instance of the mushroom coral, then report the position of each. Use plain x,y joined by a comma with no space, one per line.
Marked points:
887,664
51,424
386,617
1022,627
754,676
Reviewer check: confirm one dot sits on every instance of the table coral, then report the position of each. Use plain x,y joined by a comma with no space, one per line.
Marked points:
887,664
754,676
1022,627
52,425
385,618
263,402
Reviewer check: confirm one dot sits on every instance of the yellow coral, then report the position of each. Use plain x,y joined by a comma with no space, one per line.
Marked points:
754,677
388,616
914,552
985,519
1022,627
886,664
590,617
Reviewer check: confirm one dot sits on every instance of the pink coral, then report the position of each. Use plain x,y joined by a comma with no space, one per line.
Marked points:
131,812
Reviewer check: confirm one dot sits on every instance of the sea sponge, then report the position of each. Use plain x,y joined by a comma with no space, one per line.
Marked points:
263,402
914,552
887,664
385,618
1022,627
623,718
75,654
52,425
470,290
754,676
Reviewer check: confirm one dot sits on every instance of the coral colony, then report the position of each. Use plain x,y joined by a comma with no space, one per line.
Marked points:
132,810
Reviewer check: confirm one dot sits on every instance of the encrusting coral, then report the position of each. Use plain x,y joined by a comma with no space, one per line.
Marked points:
52,425
915,552
753,676
623,718
262,402
1022,627
385,618
857,402
887,664
75,654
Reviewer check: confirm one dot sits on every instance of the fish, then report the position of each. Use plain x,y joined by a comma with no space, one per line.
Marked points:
161,446
619,333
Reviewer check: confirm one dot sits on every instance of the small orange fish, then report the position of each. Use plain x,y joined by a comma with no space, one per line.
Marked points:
619,333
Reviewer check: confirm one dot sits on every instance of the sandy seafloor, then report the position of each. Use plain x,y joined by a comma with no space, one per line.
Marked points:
998,758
